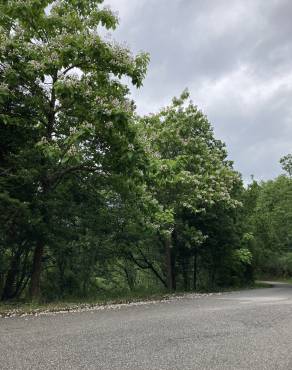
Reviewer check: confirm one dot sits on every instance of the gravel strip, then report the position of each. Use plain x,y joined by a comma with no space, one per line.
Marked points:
83,307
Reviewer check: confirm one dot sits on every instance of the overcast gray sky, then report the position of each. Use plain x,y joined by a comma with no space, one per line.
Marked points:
235,56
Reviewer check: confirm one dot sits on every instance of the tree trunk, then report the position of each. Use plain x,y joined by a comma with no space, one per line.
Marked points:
61,268
8,290
36,271
130,276
212,277
10,282
173,269
169,265
185,273
195,269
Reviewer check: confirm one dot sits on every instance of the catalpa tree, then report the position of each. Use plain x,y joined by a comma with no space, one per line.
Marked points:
64,110
189,170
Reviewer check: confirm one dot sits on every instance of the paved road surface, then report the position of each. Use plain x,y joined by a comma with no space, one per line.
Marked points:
242,330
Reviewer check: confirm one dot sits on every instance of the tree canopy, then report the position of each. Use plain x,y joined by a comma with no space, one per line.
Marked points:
95,198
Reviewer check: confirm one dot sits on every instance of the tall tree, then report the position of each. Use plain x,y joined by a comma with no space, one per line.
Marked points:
190,170
64,109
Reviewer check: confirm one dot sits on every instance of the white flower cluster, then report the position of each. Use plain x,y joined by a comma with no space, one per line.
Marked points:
4,86
35,64
109,124
121,56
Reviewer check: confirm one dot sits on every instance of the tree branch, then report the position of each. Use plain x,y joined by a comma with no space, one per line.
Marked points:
55,179
149,266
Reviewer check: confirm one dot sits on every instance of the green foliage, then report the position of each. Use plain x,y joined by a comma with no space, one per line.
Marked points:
268,218
189,164
190,177
243,255
66,122
95,200
286,163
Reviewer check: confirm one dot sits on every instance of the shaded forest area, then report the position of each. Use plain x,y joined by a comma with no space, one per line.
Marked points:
96,199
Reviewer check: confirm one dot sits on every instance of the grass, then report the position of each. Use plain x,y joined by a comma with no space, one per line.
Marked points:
278,279
262,284
19,308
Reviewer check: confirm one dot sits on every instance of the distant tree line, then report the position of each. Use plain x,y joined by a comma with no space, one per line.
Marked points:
95,198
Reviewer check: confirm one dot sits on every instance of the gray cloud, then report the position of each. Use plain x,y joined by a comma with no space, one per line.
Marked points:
235,58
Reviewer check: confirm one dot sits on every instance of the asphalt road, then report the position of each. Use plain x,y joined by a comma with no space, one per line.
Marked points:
243,330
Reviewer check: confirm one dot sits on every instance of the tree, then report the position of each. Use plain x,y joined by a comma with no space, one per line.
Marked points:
286,163
267,219
94,198
64,110
190,171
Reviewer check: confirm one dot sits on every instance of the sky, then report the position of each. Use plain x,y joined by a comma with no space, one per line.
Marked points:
234,56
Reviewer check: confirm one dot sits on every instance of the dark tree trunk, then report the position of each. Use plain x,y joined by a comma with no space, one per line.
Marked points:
61,268
169,264
8,290
185,273
195,269
10,282
84,287
130,277
36,271
23,276
173,269
212,277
